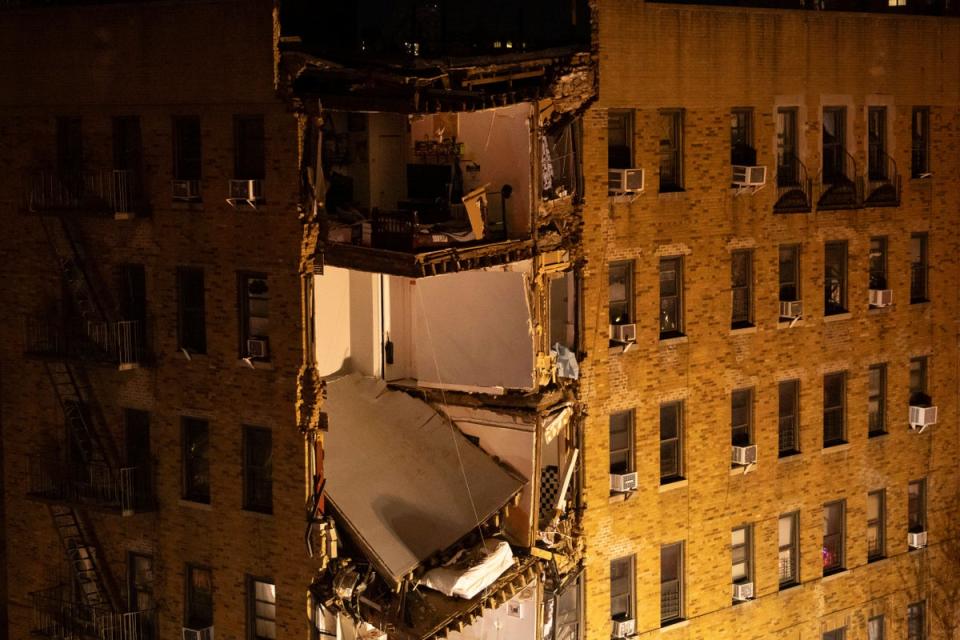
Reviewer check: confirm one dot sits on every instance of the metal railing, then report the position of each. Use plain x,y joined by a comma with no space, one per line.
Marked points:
57,615
128,489
883,180
105,190
794,186
839,183
121,342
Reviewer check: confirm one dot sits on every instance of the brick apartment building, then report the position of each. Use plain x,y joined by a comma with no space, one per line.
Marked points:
365,319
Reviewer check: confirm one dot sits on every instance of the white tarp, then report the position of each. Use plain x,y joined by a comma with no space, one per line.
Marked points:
471,570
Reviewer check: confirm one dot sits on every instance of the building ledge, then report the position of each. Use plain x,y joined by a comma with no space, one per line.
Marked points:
836,448
837,317
671,486
842,573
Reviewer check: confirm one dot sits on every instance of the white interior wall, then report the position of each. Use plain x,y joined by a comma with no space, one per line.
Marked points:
398,327
515,619
332,317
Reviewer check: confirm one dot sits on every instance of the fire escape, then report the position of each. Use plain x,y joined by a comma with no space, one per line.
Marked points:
86,473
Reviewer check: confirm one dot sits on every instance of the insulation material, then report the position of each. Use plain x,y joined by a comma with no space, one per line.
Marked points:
402,479
556,424
471,570
474,330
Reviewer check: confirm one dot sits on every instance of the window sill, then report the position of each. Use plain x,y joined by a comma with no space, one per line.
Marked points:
793,456
835,575
616,348
671,485
787,589
873,311
836,448
674,624
918,303
672,192
192,504
789,324
266,365
618,497
837,317
672,340
877,560
741,469
743,603
878,436
739,331
257,514
192,356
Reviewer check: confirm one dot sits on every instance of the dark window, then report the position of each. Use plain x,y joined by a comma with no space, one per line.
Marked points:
671,583
566,608
789,417
621,292
671,442
741,282
620,139
191,316
876,525
741,416
878,263
876,628
918,268
249,159
917,506
621,588
877,138
561,155
741,138
140,590
127,160
877,400
196,460
262,609
69,147
834,148
789,559
671,297
789,268
621,442
833,536
741,544
671,151
834,392
918,382
136,430
254,316
187,148
917,621
257,469
199,600
835,634
788,160
835,278
920,142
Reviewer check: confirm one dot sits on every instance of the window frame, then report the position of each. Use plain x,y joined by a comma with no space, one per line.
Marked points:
675,443
678,569
253,611
628,120
794,441
879,552
671,151
136,588
878,270
788,148
795,282
877,143
675,329
191,490
920,388
190,604
792,548
183,158
920,142
840,564
917,629
628,452
742,428
840,409
920,268
747,549
191,314
837,148
881,627
628,302
244,303
744,317
877,417
250,503
840,633
249,162
742,150
917,507
835,304
629,580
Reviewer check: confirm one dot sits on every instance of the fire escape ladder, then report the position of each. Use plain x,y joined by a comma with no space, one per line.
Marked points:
97,588
94,445
91,301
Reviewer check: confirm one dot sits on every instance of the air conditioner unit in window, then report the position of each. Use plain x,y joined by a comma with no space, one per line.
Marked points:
917,540
744,176
248,192
257,348
881,297
206,633
922,417
791,309
745,455
743,591
623,482
625,333
625,181
623,628
186,190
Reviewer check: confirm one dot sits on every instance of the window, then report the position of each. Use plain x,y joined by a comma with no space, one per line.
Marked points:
876,629
917,621
671,297
918,268
69,149
187,145
789,268
191,313
741,417
877,143
878,263
671,442
833,533
248,158
835,634
621,292
127,155
835,278
254,316
917,506
620,139
834,149
833,409
140,589
918,382
139,460
262,609
565,611
671,583
920,143
788,565
788,160
621,588
741,282
621,442
876,525
199,600
741,138
877,400
789,417
671,151
196,461
741,545
257,469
